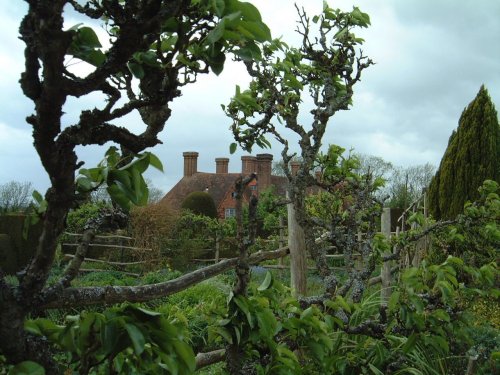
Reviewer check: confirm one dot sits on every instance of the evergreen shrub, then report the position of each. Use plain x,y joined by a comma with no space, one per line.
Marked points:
200,203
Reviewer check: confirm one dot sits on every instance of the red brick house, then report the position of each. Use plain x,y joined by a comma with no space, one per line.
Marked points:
220,185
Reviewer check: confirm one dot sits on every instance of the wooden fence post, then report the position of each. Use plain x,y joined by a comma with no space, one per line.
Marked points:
217,248
281,242
385,272
298,260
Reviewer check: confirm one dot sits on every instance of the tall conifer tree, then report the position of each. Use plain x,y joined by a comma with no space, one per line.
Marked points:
472,156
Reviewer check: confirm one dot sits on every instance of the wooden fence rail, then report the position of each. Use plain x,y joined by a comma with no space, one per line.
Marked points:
121,246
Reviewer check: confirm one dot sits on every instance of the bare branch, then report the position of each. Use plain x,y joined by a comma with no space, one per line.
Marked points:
87,296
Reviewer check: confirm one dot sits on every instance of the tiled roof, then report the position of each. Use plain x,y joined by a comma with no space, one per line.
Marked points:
216,184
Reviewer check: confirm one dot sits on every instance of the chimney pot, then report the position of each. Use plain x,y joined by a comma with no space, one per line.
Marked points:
248,164
264,168
221,165
190,163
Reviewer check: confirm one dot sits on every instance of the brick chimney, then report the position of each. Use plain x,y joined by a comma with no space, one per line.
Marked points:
221,165
294,167
264,167
248,164
190,163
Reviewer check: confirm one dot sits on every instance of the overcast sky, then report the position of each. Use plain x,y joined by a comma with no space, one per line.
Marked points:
431,58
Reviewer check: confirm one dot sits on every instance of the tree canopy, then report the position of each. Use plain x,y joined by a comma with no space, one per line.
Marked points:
472,156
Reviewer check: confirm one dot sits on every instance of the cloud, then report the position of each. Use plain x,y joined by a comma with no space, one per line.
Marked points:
431,58
20,161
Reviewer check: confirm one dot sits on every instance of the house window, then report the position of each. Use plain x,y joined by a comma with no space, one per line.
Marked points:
230,212
253,187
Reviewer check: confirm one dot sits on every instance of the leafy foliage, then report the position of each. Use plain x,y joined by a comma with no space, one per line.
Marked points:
475,236
78,218
126,339
125,183
422,325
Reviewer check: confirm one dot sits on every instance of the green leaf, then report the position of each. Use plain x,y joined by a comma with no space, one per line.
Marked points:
232,148
441,315
142,314
170,25
121,176
37,196
267,323
249,12
250,51
242,303
186,354
362,19
136,69
237,333
375,370
84,184
137,338
341,301
307,313
168,43
27,368
85,46
87,38
155,162
218,6
410,343
217,33
94,57
266,283
110,336
224,333
119,197
393,301
440,343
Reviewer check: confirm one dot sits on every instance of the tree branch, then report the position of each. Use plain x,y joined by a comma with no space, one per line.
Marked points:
88,296
207,359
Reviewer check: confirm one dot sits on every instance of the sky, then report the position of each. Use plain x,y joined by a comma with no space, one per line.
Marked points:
431,58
